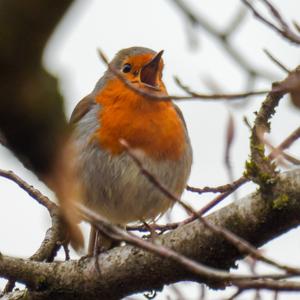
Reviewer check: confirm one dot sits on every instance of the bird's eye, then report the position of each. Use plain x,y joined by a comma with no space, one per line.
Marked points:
126,68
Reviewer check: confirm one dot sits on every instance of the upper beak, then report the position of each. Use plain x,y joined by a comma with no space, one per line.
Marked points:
148,74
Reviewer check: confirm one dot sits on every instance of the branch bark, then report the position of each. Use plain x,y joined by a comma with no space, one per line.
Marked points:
126,270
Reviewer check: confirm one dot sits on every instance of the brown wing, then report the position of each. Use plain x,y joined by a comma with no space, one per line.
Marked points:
82,107
179,112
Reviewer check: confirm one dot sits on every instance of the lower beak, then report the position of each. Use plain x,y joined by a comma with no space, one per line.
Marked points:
149,72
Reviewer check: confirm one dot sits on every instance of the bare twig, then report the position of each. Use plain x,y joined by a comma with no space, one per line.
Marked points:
242,245
54,235
276,61
274,285
225,190
276,294
293,160
230,134
297,26
218,96
235,22
34,193
197,268
222,196
218,189
284,30
236,184
158,95
223,38
201,212
237,293
286,143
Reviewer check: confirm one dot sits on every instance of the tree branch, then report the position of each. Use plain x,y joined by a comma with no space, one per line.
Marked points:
223,38
192,94
55,235
283,29
254,219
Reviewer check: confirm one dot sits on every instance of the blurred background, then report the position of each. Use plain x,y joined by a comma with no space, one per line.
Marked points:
195,54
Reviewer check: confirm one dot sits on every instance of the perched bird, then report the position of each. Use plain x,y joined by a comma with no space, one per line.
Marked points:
112,182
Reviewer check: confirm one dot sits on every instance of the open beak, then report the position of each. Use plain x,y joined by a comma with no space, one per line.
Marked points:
149,72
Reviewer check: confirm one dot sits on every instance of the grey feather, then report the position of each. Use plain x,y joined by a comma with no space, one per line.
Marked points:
114,185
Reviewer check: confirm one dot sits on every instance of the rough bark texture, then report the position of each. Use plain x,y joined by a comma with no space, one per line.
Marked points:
126,270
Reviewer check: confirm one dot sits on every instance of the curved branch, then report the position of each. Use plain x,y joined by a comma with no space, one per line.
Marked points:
256,219
223,38
34,193
283,28
54,236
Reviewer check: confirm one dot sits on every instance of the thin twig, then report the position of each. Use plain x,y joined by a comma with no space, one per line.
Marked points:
284,145
230,134
284,30
218,96
197,268
293,160
276,61
235,22
223,38
56,233
288,141
265,284
158,95
242,245
237,293
297,26
225,191
34,193
222,196
218,189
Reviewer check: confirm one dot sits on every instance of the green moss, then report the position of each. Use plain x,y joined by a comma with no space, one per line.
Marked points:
260,148
41,281
280,202
249,168
253,172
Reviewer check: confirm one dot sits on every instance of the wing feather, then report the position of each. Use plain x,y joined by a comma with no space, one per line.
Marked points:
82,108
180,114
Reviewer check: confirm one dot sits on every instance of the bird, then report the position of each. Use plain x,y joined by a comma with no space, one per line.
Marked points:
154,127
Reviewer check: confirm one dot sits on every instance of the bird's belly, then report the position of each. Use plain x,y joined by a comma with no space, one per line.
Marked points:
115,187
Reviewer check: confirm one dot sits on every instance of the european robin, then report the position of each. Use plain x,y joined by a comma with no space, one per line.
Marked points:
112,182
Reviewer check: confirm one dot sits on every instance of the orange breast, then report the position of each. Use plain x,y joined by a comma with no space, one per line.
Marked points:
150,125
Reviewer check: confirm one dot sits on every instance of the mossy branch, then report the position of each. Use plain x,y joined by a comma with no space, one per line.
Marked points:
255,220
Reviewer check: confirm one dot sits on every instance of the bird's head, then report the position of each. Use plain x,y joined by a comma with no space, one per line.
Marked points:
142,67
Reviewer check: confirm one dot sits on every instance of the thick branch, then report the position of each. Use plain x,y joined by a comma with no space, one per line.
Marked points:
254,218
